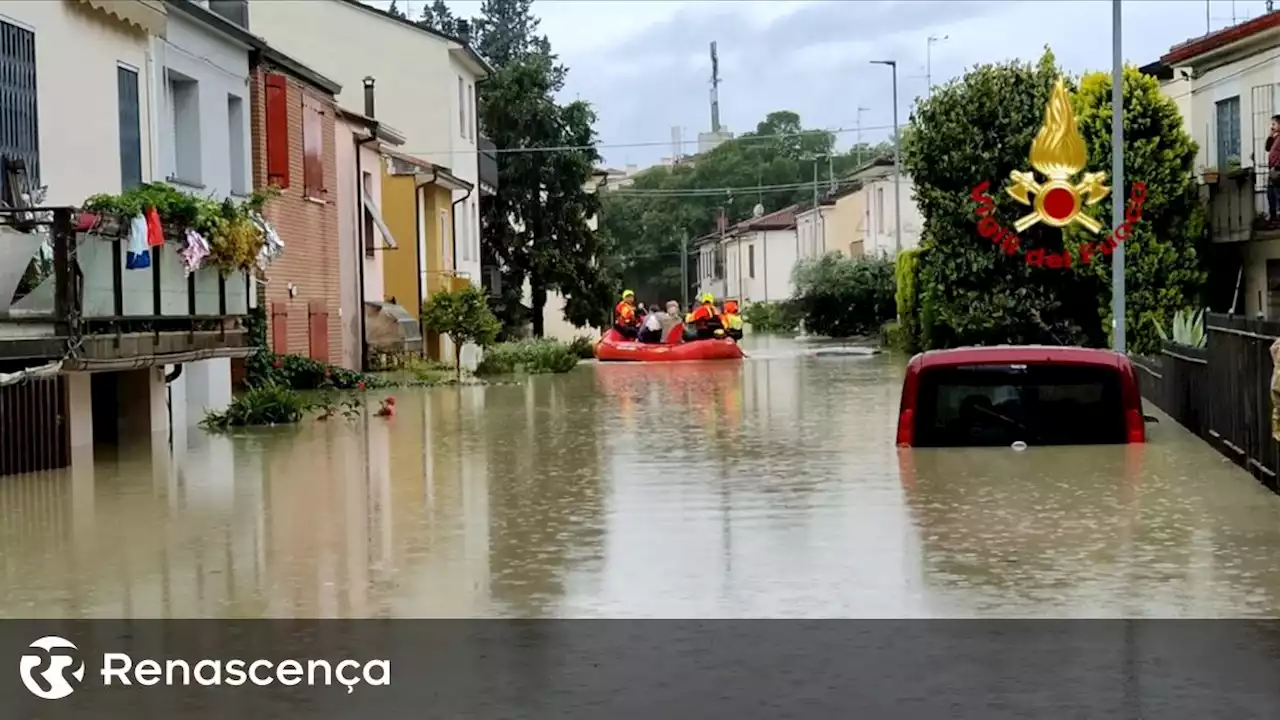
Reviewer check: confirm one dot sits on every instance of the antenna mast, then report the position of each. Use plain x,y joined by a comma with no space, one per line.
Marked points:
715,89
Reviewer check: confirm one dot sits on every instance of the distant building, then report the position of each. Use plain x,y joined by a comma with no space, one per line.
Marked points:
708,141
862,221
751,261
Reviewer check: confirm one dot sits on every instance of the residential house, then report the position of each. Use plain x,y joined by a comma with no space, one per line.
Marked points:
710,264
94,352
427,89
759,255
360,141
863,219
812,229
294,114
201,82
1225,85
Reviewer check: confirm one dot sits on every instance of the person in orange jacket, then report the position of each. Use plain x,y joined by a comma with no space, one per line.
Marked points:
731,320
625,319
706,318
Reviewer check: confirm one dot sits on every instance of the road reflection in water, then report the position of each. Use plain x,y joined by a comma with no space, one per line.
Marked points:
764,488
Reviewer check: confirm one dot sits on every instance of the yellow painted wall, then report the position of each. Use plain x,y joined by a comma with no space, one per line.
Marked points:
438,212
846,224
400,265
439,237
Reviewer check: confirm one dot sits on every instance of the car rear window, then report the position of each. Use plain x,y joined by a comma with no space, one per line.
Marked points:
1002,404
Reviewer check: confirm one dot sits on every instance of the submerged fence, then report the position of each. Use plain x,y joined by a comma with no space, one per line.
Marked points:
1222,392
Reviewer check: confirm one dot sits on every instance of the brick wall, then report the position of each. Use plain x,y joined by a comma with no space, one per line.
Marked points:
308,227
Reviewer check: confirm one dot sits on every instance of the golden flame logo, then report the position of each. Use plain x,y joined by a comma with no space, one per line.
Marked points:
1058,153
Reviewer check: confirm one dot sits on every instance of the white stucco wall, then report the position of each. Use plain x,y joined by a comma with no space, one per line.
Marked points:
220,66
813,228
775,257
881,225
77,52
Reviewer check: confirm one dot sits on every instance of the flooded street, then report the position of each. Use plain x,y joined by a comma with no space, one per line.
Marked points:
769,488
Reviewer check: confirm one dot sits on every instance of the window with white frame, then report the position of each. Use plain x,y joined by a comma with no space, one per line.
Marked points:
1229,133
471,118
462,107
238,149
879,210
184,119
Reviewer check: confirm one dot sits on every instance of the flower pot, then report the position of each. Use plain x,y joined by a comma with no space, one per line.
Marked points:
1210,177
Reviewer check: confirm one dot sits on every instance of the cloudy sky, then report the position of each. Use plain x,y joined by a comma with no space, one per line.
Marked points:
645,64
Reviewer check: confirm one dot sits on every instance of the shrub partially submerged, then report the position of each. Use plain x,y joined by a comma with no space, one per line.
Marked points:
772,317
534,357
302,373
843,297
266,405
584,346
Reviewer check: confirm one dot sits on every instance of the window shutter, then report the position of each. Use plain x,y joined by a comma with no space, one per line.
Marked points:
277,119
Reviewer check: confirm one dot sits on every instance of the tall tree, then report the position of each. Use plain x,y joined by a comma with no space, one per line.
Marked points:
438,17
536,228
395,9
772,166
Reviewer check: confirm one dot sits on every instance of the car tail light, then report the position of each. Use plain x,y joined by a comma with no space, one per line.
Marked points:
1135,425
906,428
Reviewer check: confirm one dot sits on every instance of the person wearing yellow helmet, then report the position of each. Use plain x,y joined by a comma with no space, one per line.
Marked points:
625,319
706,319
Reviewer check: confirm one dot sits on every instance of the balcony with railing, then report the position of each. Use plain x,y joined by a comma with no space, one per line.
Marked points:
488,169
71,291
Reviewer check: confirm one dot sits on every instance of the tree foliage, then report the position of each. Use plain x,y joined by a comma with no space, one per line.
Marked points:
980,127
648,220
843,297
464,316
536,228
1163,272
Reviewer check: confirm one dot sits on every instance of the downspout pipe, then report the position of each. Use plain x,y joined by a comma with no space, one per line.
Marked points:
455,225
361,240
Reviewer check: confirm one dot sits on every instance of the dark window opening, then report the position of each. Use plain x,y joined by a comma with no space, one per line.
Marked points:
19,124
751,261
1001,404
130,128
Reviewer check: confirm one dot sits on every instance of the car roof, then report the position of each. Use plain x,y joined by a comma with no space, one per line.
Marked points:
1016,354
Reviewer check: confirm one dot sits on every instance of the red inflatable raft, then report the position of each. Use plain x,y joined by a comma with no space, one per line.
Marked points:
614,348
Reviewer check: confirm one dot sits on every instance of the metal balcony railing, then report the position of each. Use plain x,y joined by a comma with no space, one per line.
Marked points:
74,297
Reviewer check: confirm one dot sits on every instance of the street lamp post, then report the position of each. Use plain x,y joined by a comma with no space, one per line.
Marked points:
928,62
897,161
1117,179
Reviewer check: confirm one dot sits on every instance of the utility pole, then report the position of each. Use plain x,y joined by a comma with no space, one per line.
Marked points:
928,63
1117,179
814,224
684,269
831,171
897,160
858,142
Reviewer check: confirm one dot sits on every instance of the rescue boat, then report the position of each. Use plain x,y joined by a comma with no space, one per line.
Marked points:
614,348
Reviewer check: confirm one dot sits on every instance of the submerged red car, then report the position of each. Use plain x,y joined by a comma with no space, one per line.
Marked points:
1036,394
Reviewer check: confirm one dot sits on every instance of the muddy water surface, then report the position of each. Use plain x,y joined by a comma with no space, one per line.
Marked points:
769,488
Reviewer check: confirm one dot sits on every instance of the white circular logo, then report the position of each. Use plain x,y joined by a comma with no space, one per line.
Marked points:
45,673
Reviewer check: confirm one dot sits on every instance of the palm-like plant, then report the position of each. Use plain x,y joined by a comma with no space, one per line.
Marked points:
1187,329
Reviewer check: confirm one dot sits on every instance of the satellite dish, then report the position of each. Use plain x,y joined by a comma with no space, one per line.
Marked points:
757,211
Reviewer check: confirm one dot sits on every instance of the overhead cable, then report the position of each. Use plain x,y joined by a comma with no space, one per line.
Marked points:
653,143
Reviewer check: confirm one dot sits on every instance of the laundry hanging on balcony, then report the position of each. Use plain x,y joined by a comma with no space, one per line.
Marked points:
194,253
138,255
272,245
155,231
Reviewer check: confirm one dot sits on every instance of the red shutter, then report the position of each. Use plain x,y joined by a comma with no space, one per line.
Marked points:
277,115
318,315
280,328
313,149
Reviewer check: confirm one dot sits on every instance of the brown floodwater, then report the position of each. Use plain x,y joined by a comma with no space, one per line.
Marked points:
769,488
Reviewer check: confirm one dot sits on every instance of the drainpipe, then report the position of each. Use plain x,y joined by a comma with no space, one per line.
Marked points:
361,240
455,223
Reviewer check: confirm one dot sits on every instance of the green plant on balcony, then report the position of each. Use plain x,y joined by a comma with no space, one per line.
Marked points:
1187,329
234,238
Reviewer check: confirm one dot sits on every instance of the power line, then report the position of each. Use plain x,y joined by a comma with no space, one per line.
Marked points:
654,143
712,192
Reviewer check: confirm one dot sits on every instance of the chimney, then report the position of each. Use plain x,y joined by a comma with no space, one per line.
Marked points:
368,97
464,31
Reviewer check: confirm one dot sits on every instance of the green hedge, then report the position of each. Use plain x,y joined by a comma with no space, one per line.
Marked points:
843,297
772,317
534,357
908,333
